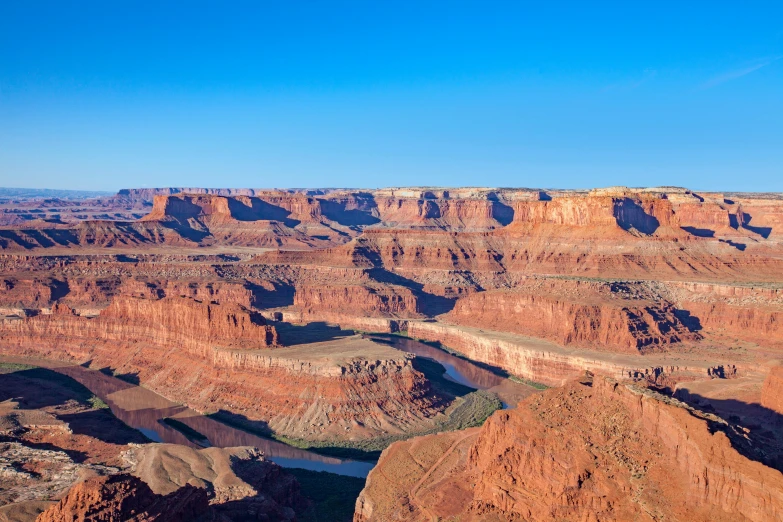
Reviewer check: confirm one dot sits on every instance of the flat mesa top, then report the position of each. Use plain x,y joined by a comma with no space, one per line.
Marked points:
339,351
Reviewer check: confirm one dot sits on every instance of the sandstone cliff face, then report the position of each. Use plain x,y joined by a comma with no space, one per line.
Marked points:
126,498
609,451
214,357
20,293
772,391
221,292
290,220
376,301
736,312
92,294
619,325
633,233
554,365
450,214
405,250
195,326
760,324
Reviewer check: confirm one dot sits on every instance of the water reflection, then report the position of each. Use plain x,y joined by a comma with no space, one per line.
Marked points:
463,371
144,410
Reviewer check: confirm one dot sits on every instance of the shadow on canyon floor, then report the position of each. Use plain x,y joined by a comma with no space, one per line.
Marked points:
264,298
130,378
316,332
262,429
36,388
436,376
333,497
465,405
44,389
427,303
496,370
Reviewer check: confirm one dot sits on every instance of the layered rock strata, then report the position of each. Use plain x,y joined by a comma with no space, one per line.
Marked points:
216,358
636,455
359,300
620,325
188,324
546,362
772,391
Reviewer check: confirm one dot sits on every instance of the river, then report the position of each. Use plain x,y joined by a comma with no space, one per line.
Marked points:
145,410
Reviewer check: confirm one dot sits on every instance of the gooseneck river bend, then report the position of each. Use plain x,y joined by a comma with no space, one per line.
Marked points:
145,410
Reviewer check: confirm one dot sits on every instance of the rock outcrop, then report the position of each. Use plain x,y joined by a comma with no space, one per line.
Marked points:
659,286
772,391
126,498
216,358
602,451
240,481
196,326
587,319
359,300
546,362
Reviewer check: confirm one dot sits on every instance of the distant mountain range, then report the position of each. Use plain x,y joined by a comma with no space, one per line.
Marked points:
32,193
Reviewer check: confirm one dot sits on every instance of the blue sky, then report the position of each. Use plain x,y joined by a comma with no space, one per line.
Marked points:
103,95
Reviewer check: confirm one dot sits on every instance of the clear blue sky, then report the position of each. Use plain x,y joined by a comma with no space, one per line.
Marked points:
117,93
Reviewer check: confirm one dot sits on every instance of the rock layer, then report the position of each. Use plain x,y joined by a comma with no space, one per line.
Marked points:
772,391
216,358
636,455
621,325
195,326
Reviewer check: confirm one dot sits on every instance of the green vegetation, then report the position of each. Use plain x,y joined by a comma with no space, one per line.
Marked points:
333,496
528,382
7,367
80,392
467,411
97,403
469,407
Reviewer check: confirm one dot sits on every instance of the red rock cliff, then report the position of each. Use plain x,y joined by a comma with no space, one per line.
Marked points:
357,299
196,326
213,357
610,452
620,325
124,497
772,391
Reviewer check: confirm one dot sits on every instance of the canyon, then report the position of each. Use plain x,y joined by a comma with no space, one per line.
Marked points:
636,455
262,309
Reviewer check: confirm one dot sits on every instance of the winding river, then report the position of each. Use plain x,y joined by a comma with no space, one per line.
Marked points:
145,410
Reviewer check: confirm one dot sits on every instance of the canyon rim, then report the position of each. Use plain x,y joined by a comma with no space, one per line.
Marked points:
393,354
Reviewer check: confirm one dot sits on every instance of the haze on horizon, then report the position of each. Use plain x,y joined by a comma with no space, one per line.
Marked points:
140,94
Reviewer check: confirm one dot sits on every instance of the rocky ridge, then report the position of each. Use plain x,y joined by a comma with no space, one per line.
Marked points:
636,455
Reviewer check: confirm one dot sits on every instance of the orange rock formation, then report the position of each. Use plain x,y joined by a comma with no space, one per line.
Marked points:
609,451
124,497
216,357
662,286
772,392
